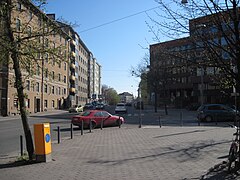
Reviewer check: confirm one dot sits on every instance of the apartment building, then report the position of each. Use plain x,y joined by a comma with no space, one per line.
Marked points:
95,88
45,74
57,75
78,74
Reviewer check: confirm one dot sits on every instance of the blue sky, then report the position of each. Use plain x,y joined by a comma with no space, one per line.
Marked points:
116,46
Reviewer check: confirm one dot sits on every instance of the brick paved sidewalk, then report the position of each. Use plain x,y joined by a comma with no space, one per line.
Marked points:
131,153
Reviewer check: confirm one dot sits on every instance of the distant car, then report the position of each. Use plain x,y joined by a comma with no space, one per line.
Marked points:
97,117
100,106
88,106
216,112
120,108
76,108
128,104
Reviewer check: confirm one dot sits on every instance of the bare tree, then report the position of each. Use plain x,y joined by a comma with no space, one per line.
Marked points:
213,31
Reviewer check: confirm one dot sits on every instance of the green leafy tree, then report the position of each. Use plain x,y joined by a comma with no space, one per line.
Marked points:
110,95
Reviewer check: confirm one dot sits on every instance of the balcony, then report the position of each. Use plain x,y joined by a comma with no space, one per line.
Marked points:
73,54
72,90
73,42
73,78
72,66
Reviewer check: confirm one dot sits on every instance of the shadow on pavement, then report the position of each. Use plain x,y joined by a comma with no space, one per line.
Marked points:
176,134
219,172
17,164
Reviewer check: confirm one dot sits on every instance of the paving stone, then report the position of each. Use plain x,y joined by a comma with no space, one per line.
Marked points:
131,153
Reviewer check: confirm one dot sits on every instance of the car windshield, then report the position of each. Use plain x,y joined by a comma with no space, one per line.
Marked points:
86,113
120,105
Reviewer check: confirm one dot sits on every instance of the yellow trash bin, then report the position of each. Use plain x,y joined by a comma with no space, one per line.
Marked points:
42,139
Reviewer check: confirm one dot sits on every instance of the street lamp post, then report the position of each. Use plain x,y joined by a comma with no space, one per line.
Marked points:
201,87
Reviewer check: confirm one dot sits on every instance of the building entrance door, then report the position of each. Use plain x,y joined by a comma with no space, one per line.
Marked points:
37,105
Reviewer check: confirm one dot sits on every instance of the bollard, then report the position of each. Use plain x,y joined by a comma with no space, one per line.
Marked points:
71,130
140,121
216,121
58,129
102,124
159,121
119,122
21,145
82,128
181,120
90,126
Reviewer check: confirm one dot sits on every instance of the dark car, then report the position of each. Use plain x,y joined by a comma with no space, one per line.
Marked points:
216,112
100,106
88,106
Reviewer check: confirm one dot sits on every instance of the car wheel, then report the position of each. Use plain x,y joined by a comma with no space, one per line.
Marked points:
208,118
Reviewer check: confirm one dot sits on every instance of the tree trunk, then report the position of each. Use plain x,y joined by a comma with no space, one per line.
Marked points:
19,86
18,77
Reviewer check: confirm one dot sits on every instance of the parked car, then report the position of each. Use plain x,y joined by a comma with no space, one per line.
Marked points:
128,104
88,106
97,117
216,112
120,108
76,108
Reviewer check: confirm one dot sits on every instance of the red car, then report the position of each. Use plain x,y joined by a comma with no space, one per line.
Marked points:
97,117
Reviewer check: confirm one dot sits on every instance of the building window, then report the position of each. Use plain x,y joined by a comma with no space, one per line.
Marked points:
65,66
46,73
38,70
37,86
27,103
45,103
59,91
30,15
53,90
39,22
53,104
19,6
64,79
46,42
33,87
53,75
46,58
29,31
45,88
28,85
59,77
18,25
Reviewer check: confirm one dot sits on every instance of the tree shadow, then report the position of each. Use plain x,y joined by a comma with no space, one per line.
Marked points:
220,172
176,134
17,163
